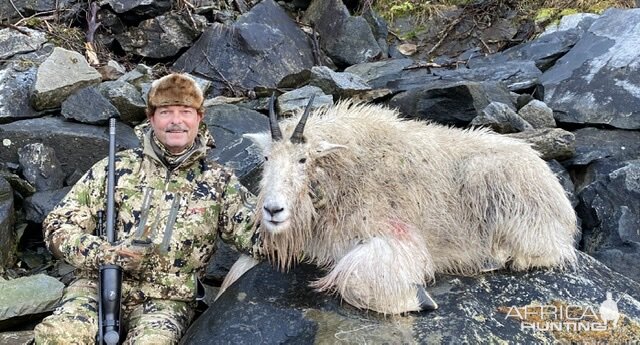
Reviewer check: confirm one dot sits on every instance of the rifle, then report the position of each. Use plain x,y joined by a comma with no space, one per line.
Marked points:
110,277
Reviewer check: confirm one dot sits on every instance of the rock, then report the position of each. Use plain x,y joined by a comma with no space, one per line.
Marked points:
126,99
38,206
7,221
347,40
608,207
219,265
14,42
265,38
501,118
163,36
28,295
88,105
565,180
16,338
594,144
378,29
596,81
17,9
138,77
342,84
294,102
544,51
227,123
579,21
454,103
77,146
552,143
40,166
60,75
15,86
140,8
538,114
265,306
403,74
20,186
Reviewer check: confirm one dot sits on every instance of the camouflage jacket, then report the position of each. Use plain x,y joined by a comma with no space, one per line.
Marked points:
181,211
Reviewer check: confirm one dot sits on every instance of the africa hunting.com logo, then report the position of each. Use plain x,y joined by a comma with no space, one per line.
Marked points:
558,316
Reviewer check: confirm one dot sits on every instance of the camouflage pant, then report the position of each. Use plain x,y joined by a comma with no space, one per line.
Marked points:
75,320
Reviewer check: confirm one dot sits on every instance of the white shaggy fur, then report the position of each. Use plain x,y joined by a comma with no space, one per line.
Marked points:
384,204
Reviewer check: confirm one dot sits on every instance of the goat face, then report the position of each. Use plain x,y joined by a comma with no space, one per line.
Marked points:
285,191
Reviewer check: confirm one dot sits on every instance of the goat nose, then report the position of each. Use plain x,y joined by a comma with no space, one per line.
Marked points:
272,210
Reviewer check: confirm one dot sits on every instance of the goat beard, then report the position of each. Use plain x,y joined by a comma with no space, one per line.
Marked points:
287,248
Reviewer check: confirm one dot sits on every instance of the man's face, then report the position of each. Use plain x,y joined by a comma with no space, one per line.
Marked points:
176,126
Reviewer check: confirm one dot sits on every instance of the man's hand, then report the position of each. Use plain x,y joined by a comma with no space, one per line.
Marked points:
126,254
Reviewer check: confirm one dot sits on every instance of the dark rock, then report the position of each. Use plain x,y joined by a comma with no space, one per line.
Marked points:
594,144
219,265
455,103
227,123
7,221
163,36
596,81
268,307
342,84
38,206
347,40
140,8
403,74
294,102
266,39
609,207
501,118
77,146
127,99
18,9
88,105
14,42
15,86
544,51
378,29
41,167
565,180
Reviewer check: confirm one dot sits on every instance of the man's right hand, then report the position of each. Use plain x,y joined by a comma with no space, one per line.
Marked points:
126,254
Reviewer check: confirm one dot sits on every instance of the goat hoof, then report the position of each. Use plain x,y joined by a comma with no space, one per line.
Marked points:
425,301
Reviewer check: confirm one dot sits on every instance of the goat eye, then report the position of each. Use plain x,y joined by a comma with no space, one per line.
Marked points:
266,158
302,160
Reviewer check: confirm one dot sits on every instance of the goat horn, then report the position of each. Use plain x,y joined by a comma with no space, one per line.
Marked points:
276,134
296,137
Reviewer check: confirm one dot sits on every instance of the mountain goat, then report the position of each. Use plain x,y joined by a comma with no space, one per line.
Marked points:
385,203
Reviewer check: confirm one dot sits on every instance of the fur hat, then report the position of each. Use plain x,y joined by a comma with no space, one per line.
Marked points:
175,89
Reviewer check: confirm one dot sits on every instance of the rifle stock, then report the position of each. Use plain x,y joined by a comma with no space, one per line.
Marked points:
110,277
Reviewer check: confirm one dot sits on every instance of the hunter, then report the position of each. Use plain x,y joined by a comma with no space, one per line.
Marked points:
168,194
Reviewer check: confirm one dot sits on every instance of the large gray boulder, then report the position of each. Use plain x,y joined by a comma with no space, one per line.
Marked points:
77,146
227,123
347,39
268,307
88,105
60,75
40,166
596,81
163,36
259,49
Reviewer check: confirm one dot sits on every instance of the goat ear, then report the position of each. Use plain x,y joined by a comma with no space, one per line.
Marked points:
324,148
263,140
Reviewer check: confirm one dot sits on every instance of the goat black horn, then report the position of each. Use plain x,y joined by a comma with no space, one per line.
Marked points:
276,134
296,137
